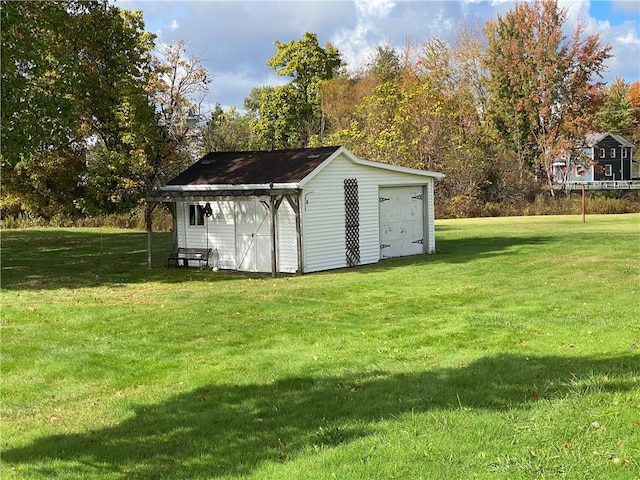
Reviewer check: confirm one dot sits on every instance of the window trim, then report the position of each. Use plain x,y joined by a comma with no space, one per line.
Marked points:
625,153
608,170
603,152
613,152
196,215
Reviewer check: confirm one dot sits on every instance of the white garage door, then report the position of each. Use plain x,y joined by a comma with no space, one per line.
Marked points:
401,221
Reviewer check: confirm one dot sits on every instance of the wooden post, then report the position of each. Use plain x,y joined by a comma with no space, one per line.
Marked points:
274,259
148,215
583,206
296,205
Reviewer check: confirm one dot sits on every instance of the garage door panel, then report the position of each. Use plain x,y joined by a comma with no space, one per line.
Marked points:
401,221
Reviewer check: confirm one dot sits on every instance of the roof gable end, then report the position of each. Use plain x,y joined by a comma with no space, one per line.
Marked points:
359,161
593,139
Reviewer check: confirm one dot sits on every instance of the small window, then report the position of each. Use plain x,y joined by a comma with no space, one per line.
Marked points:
602,153
608,170
613,153
196,217
624,153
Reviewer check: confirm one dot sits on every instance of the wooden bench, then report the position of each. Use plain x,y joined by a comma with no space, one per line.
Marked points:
183,254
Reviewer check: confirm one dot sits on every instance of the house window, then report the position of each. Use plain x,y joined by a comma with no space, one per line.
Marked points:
613,153
624,153
602,152
196,217
608,170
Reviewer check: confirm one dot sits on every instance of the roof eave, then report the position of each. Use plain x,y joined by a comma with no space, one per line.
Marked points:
220,187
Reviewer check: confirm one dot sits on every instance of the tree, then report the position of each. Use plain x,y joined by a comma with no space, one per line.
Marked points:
463,143
153,140
634,98
70,71
289,115
541,82
176,89
341,94
276,118
386,64
226,131
617,114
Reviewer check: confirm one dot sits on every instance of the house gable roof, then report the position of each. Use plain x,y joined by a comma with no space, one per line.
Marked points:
253,168
290,168
593,139
367,163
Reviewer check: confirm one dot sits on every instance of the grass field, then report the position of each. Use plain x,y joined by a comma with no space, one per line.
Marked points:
511,353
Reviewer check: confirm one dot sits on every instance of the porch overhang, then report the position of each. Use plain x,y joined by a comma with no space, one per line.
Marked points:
169,195
273,196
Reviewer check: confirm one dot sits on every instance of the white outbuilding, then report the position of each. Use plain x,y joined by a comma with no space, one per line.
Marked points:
300,210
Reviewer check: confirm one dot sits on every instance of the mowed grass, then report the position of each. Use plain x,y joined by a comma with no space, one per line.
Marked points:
511,353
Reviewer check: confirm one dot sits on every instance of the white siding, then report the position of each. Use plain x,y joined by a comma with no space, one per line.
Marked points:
240,231
220,227
323,212
221,233
322,218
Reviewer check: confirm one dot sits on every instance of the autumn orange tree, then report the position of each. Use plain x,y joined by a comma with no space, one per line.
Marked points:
541,82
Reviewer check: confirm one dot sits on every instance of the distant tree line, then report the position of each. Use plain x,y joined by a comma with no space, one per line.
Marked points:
93,116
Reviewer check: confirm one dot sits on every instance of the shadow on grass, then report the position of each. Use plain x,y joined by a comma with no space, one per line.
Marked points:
458,251
224,430
66,258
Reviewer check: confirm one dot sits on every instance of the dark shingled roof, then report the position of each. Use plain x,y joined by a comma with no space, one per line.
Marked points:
242,168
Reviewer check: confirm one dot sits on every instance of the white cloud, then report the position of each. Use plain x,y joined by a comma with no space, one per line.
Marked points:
630,38
357,43
628,6
235,38
374,8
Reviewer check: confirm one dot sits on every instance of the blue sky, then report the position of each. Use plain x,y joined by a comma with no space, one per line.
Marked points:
616,13
235,39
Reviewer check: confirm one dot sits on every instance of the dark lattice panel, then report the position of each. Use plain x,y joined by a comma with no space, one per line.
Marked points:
352,221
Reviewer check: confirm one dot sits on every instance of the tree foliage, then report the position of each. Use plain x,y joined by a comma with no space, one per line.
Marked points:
288,116
617,115
226,131
91,119
94,116
70,71
541,81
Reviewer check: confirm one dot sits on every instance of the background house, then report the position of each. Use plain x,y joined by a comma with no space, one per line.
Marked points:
613,154
301,210
611,158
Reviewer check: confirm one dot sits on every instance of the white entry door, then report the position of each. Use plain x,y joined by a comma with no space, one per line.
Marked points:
401,221
253,236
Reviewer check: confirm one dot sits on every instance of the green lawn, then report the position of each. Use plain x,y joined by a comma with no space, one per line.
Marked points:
511,353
